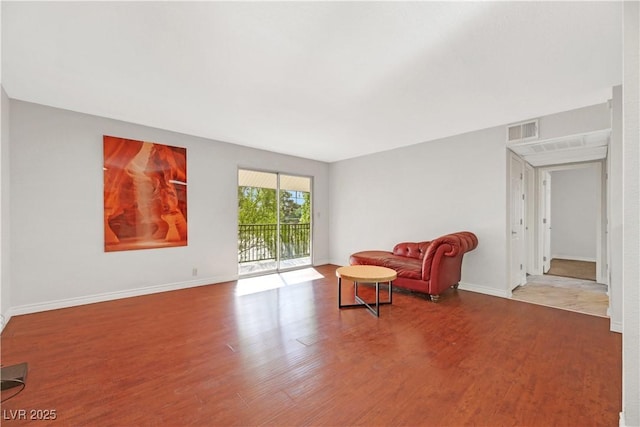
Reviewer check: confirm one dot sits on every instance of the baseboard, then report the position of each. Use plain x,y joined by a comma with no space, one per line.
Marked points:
622,422
110,296
4,319
483,290
573,258
319,262
615,327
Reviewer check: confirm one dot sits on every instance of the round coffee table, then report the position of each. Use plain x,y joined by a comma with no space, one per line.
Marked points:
366,274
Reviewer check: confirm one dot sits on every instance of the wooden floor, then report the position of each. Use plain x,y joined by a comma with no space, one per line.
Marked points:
585,270
288,356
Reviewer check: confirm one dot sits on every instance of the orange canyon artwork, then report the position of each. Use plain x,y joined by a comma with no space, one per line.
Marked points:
145,195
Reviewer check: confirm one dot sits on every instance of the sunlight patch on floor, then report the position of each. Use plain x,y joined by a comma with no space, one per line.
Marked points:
267,282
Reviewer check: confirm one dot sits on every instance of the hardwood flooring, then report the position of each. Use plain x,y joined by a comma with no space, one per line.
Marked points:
288,356
584,270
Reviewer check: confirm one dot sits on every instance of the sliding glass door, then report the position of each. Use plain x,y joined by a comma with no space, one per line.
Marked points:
274,222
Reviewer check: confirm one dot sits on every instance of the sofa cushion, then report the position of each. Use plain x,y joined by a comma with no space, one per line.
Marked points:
411,249
410,268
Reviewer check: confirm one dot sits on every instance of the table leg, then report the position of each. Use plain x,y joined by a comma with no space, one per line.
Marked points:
362,303
377,299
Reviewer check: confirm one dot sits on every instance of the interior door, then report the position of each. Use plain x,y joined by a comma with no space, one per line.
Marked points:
546,221
516,189
530,219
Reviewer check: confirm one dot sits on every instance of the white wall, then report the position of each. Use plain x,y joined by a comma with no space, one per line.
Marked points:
631,215
452,184
573,122
421,192
615,195
574,213
5,237
56,211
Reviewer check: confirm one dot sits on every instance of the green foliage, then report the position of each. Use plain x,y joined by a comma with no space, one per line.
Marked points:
257,211
305,216
258,206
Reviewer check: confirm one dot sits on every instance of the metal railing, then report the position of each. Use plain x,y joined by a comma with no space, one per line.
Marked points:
258,242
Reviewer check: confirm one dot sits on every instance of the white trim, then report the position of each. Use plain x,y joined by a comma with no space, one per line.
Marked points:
339,263
483,290
522,279
530,218
615,326
582,147
4,319
110,296
543,199
622,422
601,255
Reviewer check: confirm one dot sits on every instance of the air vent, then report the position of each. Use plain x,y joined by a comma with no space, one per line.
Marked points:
520,132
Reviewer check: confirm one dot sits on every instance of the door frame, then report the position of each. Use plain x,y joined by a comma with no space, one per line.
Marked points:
311,221
521,248
544,220
530,217
601,248
278,174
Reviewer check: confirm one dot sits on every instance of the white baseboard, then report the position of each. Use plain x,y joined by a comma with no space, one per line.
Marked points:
484,290
615,327
4,319
573,258
334,262
109,296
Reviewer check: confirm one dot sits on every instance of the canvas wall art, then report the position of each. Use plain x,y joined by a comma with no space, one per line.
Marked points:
145,195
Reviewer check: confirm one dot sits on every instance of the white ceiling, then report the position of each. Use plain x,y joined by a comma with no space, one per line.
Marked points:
321,80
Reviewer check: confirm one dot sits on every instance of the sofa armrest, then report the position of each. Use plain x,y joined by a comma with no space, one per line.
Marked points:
468,240
448,245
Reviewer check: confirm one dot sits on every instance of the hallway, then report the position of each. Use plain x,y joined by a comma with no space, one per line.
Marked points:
582,296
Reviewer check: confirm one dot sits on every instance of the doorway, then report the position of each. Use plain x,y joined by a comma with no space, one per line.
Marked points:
274,222
558,155
573,218
569,206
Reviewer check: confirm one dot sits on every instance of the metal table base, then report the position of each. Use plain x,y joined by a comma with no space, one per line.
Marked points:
375,310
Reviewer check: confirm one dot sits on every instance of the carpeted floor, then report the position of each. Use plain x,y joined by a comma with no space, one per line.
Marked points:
569,268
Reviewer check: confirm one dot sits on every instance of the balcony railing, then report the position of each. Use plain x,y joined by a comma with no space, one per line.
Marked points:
257,242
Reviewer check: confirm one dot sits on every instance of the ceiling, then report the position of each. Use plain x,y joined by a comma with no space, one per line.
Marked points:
320,80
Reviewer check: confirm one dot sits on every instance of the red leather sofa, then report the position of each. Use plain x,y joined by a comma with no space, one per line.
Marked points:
426,267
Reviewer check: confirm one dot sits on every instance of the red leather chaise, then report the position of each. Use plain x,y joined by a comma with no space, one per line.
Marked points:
427,267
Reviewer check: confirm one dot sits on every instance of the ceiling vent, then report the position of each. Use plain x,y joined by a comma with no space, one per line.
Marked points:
585,147
520,132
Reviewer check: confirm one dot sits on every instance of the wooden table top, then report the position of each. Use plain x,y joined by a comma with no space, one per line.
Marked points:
366,273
